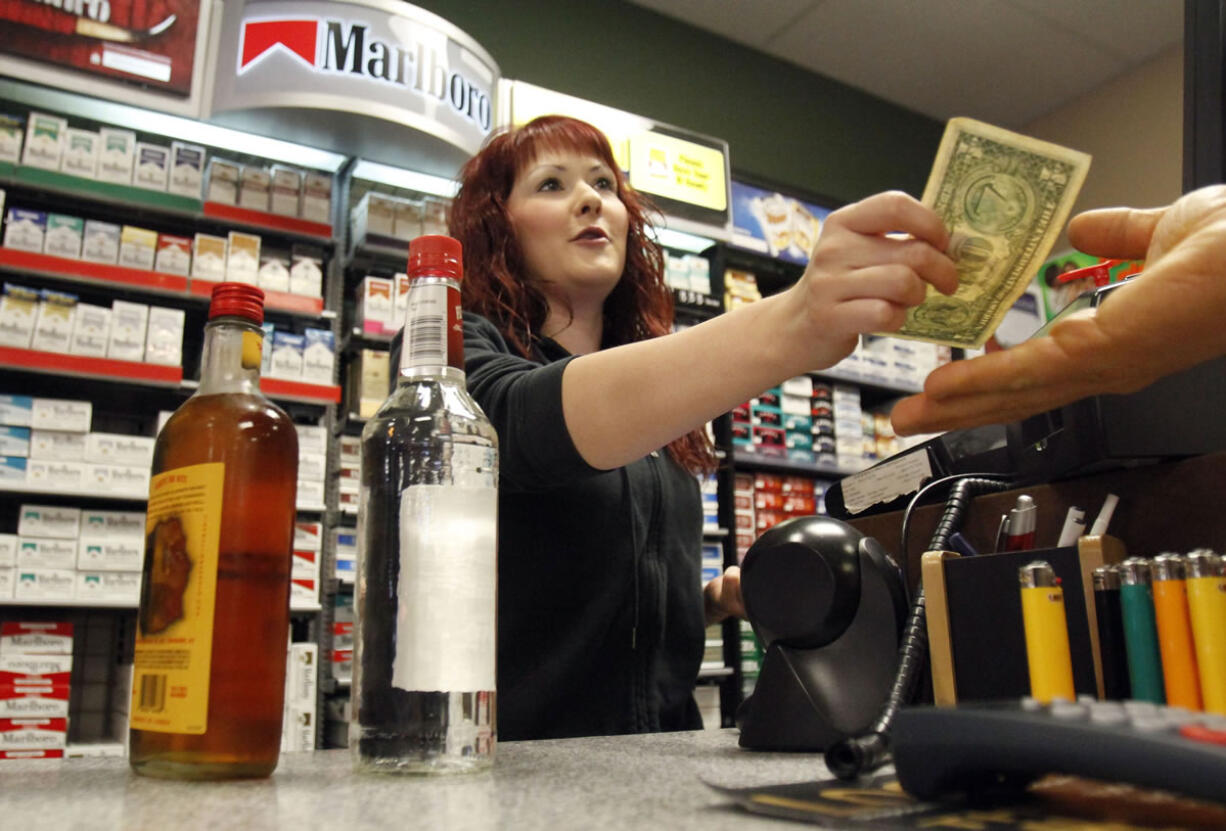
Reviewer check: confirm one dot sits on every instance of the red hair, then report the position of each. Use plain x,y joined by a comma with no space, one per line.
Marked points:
640,305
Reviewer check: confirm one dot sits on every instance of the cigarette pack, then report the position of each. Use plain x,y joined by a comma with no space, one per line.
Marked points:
80,156
186,169
306,270
13,469
112,586
408,219
243,258
375,304
308,536
253,187
45,552
286,190
222,182
164,342
152,166
374,215
319,356
91,330
49,475
101,242
110,553
18,313
137,247
14,441
12,129
116,155
44,584
129,322
16,410
19,637
274,270
117,449
53,327
125,524
287,349
37,701
400,307
209,257
44,141
57,445
25,230
305,565
63,236
174,255
61,414
317,197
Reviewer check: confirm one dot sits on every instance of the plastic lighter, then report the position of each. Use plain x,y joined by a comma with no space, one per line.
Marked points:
1140,631
1175,644
1107,615
1047,648
1206,583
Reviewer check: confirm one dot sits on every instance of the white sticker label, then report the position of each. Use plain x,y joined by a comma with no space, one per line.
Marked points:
886,481
445,621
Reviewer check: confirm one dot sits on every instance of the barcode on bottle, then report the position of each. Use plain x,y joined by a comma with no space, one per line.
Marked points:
152,698
426,340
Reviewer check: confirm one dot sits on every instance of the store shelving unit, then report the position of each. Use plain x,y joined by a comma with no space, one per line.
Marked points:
126,395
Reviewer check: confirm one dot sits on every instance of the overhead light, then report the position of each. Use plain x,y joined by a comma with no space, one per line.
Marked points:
681,241
398,177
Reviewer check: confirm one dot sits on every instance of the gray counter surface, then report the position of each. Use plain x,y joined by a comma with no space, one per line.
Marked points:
632,782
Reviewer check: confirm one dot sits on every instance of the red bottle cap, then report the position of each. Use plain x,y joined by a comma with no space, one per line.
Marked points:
436,253
239,300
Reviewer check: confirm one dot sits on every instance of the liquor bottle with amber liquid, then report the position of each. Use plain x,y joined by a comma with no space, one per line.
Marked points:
423,669
208,684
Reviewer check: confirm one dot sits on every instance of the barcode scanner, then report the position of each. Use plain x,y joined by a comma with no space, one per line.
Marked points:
828,605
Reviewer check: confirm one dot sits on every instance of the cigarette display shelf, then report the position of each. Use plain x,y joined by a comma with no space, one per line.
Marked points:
26,489
66,603
693,304
376,252
54,186
154,283
79,366
749,460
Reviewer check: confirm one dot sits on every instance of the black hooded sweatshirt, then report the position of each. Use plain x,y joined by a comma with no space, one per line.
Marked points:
600,613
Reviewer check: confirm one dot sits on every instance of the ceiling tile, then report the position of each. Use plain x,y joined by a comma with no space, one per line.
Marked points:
1136,30
749,22
987,59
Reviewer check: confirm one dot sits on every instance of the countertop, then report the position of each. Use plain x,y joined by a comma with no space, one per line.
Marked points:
632,782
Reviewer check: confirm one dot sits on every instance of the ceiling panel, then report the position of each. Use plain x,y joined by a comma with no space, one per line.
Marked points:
1004,61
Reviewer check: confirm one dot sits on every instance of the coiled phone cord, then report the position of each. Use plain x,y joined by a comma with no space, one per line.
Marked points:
870,750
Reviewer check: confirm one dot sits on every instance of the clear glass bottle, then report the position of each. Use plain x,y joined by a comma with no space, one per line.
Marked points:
423,670
209,680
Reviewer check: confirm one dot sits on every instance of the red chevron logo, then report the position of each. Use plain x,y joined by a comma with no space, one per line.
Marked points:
259,37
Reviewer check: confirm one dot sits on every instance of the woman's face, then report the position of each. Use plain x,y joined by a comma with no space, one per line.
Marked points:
570,223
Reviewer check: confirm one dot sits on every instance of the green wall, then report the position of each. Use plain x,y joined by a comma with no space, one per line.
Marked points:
784,126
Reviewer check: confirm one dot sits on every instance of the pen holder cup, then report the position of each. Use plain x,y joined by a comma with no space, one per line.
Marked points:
977,641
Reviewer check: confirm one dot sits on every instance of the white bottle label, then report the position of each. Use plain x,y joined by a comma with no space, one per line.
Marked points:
445,621
425,334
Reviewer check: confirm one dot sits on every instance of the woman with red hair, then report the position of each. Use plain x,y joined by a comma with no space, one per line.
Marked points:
600,414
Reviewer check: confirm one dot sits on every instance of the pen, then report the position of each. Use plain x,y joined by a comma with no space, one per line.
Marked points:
1179,673
1074,527
1111,633
1140,632
1019,528
1047,649
1104,516
1207,607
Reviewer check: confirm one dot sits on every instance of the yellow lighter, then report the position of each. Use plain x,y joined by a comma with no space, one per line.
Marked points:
1047,649
1206,586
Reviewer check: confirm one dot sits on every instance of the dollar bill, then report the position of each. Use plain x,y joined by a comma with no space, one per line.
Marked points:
1005,198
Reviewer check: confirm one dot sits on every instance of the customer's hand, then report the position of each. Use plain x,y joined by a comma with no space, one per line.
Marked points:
1167,320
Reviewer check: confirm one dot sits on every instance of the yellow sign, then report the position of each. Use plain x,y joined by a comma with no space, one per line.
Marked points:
679,169
174,632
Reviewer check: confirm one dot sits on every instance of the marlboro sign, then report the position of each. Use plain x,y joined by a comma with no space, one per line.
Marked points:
379,58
